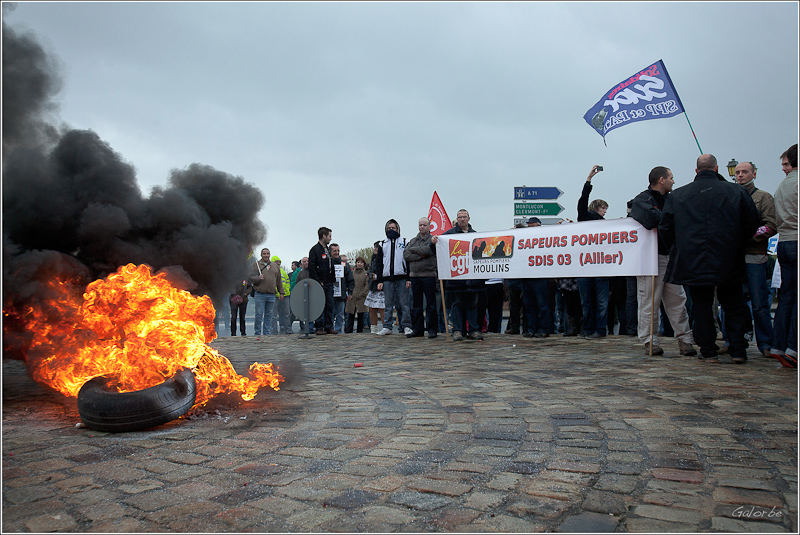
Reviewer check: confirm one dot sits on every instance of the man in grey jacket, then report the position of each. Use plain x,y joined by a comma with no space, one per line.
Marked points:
420,255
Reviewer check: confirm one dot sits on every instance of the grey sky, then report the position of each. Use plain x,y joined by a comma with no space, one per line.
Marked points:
348,114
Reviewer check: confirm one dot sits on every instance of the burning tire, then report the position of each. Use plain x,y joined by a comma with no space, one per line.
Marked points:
103,409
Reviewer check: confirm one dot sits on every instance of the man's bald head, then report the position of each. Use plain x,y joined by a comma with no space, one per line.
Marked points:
706,161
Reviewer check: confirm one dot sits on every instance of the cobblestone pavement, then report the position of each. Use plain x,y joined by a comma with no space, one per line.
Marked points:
505,435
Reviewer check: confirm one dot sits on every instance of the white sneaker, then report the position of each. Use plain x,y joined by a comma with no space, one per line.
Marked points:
384,331
408,331
373,329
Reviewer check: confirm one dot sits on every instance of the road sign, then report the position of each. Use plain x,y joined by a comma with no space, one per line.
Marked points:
537,208
524,193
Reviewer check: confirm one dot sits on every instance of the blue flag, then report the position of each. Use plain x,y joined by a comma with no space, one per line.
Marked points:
646,95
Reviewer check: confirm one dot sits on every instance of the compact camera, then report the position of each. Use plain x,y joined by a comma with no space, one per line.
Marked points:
599,168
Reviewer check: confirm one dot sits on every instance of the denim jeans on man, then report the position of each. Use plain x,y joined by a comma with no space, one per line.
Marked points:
785,330
594,301
464,308
757,288
424,287
537,306
265,304
396,296
338,314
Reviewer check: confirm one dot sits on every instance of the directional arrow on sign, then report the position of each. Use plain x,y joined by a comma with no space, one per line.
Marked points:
537,208
524,193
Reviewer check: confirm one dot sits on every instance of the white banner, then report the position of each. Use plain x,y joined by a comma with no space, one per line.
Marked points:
602,248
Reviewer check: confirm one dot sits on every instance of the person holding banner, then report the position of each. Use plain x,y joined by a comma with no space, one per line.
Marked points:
647,208
463,293
593,290
707,224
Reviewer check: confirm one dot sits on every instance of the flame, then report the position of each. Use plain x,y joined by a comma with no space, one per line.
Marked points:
135,328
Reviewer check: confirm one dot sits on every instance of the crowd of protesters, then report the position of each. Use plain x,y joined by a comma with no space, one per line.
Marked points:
714,288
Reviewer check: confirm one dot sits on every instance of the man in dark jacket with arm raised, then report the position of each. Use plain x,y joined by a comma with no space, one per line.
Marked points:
707,224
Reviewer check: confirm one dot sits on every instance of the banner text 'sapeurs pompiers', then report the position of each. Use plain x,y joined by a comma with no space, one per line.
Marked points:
608,248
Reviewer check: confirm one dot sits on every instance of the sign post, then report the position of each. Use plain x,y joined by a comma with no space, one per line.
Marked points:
537,208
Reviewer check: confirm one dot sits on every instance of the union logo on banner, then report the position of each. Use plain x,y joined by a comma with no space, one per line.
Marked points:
459,257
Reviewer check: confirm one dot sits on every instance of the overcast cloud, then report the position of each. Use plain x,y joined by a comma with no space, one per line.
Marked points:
348,114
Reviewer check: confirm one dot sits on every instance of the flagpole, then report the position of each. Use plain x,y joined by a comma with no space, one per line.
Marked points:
692,129
669,79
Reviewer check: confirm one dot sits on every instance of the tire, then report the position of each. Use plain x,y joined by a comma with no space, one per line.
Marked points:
106,410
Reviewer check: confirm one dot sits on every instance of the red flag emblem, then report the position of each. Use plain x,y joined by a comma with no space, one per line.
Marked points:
438,216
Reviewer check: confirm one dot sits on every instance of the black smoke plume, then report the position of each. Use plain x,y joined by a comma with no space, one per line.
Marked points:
72,206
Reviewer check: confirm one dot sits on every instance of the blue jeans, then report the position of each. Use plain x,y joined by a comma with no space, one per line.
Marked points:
594,301
396,295
785,331
464,307
338,314
757,288
537,306
265,304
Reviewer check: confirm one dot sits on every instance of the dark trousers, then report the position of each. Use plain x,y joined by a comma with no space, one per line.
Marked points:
785,331
594,301
737,318
464,310
358,318
572,302
515,307
325,320
240,310
495,295
537,306
424,289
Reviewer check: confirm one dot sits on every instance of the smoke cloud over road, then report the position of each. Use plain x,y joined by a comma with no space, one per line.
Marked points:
72,206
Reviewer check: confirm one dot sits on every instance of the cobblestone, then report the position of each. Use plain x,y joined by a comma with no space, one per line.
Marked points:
428,435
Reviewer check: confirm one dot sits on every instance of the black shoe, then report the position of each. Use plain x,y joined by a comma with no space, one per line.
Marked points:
595,336
571,333
528,334
541,335
432,334
475,335
512,331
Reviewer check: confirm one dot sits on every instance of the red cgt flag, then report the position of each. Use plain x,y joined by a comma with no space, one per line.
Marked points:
438,216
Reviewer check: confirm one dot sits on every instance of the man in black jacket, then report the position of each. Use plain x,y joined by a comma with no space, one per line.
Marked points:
464,293
646,208
320,269
707,224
